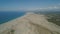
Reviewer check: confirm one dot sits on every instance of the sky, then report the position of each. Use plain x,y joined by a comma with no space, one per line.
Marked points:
28,5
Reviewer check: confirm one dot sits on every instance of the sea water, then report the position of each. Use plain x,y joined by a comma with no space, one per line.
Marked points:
6,16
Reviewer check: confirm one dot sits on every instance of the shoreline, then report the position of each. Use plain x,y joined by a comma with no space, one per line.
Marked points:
30,17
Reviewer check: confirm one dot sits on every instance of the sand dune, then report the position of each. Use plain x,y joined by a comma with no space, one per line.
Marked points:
29,24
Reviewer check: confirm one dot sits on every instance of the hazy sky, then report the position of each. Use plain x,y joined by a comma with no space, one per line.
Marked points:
28,4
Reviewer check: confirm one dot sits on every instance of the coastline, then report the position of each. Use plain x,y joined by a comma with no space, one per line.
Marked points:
34,18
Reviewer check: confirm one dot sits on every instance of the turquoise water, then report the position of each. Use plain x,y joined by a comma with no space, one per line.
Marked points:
6,16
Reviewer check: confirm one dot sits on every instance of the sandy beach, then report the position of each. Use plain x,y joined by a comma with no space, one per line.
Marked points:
30,23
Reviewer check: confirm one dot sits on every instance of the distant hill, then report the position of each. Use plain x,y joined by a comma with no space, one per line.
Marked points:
47,12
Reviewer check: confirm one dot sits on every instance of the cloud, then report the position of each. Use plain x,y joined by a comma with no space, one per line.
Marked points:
47,8
30,9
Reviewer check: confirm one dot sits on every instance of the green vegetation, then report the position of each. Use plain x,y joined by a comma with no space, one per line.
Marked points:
54,18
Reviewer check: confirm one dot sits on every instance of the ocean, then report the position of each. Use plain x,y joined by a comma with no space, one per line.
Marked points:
6,16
